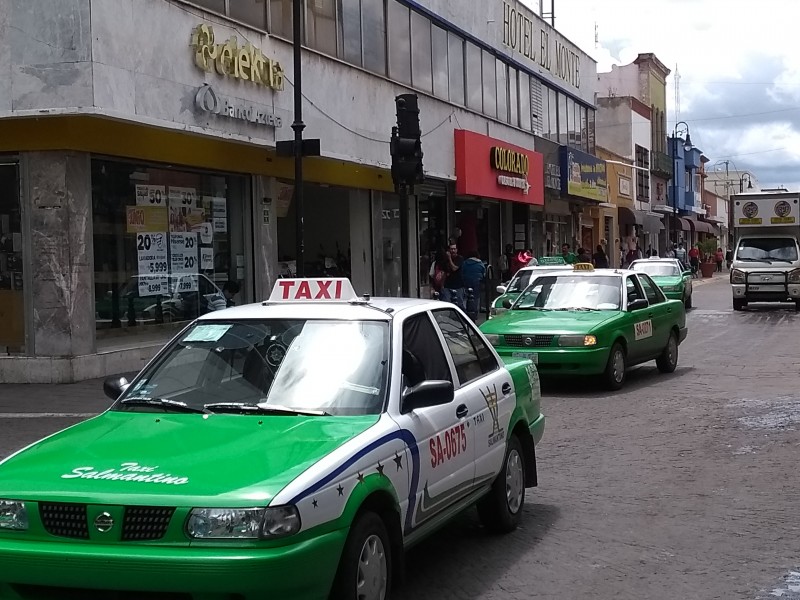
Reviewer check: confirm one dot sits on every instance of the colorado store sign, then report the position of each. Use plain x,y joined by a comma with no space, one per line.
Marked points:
511,173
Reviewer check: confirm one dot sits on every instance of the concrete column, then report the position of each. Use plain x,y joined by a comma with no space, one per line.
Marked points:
265,236
59,192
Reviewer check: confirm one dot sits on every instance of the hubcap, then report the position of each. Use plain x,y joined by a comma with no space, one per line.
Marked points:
372,570
515,486
672,350
618,365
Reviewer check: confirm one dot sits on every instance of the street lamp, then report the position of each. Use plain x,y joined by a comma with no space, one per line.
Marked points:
741,182
687,144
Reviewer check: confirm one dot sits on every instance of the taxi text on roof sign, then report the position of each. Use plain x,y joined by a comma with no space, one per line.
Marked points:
583,267
325,289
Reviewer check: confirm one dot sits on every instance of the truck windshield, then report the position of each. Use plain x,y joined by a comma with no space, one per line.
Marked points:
767,249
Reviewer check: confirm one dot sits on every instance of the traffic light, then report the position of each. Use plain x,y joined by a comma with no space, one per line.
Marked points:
406,145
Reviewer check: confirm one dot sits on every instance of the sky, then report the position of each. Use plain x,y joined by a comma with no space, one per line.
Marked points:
739,65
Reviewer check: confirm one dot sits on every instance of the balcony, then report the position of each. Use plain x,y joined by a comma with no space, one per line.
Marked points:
661,165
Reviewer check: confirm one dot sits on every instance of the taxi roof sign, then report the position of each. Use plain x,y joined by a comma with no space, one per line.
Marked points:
317,289
583,267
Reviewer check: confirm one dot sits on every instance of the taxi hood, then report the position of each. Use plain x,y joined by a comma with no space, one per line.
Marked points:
194,460
547,321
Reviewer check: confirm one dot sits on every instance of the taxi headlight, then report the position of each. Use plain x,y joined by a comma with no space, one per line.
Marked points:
577,341
671,288
13,515
494,339
737,276
794,276
243,523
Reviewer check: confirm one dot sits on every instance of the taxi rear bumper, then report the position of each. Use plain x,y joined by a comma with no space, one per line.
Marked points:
29,567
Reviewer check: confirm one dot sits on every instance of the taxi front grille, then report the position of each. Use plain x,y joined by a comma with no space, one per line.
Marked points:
64,519
145,522
529,341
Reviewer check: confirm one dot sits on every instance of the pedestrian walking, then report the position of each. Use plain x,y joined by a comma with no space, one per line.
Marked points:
473,274
694,260
719,256
453,290
583,256
728,258
599,259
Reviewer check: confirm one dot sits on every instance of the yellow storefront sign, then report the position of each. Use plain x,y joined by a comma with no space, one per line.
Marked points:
145,219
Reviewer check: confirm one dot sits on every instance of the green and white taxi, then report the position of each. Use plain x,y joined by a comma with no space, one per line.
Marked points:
289,449
591,322
668,274
511,290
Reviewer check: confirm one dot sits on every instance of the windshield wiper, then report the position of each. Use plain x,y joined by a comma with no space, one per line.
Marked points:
577,308
166,404
764,260
260,409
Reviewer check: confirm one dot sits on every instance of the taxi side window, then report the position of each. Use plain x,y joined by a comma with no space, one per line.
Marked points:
650,290
423,356
471,356
634,290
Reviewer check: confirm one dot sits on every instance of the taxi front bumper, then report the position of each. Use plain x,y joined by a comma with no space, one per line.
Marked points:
300,571
563,361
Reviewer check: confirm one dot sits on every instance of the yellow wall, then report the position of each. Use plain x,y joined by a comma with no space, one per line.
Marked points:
124,139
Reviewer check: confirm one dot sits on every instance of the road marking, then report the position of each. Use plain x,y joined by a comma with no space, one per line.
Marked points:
47,415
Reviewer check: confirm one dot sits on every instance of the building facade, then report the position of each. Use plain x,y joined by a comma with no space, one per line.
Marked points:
139,171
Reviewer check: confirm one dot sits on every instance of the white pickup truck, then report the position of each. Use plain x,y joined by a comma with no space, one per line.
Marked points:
766,260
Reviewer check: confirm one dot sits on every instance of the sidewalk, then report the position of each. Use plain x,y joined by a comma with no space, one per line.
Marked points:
84,398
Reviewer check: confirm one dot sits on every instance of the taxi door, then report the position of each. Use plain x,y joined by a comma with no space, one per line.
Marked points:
641,344
444,469
661,312
485,393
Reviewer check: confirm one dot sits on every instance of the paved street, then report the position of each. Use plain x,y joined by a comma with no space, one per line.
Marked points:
681,486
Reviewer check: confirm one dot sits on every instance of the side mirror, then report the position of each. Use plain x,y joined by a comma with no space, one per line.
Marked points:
114,386
507,303
501,289
637,304
427,393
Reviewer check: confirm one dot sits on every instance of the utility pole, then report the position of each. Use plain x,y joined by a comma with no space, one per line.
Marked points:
298,126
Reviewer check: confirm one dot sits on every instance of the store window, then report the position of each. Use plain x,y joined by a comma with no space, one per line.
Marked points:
455,60
590,115
280,18
12,305
552,115
489,85
570,115
373,28
524,101
321,25
421,53
215,5
502,91
474,85
388,256
166,242
563,135
350,30
397,26
513,96
584,133
441,87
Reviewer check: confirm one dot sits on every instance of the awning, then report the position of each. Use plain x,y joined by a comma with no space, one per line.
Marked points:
684,223
630,216
704,227
652,223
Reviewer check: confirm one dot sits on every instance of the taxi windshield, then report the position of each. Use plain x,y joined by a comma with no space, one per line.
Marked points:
304,366
657,269
571,292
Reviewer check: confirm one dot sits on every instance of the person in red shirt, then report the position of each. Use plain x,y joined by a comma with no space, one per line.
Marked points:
719,256
694,259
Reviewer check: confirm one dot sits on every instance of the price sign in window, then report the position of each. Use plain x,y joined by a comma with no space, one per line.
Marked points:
184,255
151,250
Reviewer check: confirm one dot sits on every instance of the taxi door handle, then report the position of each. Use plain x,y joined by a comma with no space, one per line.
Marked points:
506,388
649,315
462,411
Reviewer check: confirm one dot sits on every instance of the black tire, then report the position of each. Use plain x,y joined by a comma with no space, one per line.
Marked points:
668,361
687,303
500,510
797,306
739,304
614,375
367,546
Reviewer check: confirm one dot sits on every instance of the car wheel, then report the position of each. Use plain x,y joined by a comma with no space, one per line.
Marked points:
614,375
668,361
365,569
501,509
738,304
688,302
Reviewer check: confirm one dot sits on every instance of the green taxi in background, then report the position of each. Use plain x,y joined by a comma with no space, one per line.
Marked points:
512,289
668,274
591,322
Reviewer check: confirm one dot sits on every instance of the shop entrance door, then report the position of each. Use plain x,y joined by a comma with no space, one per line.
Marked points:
12,305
